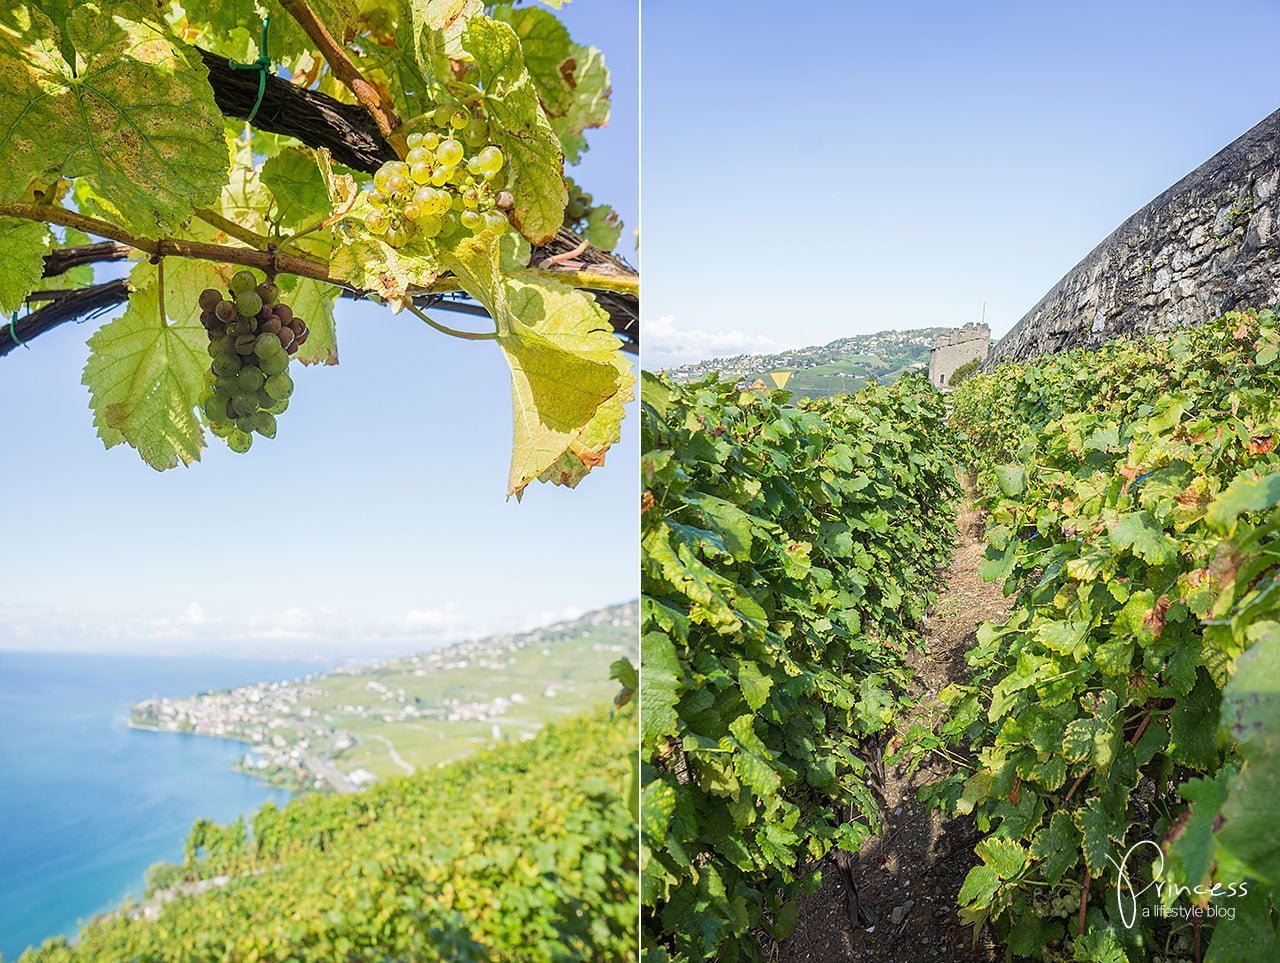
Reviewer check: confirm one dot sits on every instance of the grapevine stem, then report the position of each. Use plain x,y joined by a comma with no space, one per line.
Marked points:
252,238
283,263
452,332
346,71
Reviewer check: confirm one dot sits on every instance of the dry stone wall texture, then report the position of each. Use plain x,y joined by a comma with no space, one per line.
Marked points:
1206,245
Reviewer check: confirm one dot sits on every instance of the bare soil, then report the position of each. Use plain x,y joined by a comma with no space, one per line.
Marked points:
904,881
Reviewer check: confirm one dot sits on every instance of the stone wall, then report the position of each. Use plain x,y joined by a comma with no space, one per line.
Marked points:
953,348
1206,245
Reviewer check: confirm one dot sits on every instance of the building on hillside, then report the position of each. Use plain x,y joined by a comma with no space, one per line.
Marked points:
956,347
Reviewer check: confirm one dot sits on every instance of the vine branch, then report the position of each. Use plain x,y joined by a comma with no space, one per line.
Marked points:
366,93
265,260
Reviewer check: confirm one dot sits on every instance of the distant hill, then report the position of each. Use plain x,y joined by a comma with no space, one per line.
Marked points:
841,366
341,730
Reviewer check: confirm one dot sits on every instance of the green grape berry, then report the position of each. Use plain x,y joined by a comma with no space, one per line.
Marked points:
431,140
250,379
376,222
413,140
495,222
239,441
280,386
420,173
268,343
459,118
397,183
380,178
417,155
243,281
248,304
244,405
226,364
274,364
265,424
471,220
441,115
268,292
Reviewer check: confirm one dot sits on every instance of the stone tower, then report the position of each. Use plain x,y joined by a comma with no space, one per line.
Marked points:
957,347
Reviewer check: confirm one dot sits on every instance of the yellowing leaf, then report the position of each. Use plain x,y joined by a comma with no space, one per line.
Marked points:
134,114
366,262
569,379
145,373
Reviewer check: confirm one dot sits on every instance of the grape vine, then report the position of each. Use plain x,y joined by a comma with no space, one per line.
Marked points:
1128,700
787,554
119,133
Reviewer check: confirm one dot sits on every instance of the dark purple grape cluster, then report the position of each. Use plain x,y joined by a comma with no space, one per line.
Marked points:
251,336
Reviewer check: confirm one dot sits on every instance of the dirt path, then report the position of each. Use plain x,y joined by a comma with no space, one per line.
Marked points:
906,880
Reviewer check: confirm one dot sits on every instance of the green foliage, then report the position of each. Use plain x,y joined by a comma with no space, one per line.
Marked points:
113,117
522,853
1134,509
964,373
787,554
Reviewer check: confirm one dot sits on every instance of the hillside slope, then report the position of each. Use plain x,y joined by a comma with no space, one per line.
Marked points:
525,852
839,367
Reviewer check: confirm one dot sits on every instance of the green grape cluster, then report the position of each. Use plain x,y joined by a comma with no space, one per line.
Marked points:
251,336
580,203
450,180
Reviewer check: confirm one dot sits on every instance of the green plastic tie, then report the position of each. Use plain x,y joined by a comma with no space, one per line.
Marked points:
13,332
262,65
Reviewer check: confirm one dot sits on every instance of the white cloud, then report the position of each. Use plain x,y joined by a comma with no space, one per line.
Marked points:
293,629
666,346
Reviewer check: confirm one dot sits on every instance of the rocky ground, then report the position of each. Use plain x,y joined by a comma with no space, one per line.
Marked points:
905,881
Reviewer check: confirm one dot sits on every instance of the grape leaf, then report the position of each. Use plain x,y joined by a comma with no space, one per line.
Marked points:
145,374
569,378
572,80
236,28
24,244
313,302
438,26
755,685
1247,492
1251,714
298,186
661,687
78,276
590,105
134,116
1137,532
371,264
603,227
519,126
548,52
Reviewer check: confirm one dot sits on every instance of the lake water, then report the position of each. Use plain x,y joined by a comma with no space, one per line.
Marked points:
86,803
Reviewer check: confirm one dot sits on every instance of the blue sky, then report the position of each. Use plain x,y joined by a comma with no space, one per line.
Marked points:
374,523
821,170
